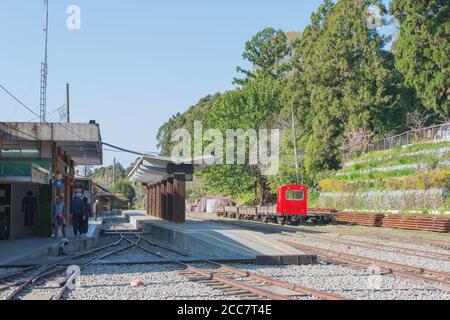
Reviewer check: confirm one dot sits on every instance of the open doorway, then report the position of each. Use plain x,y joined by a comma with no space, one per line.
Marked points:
5,211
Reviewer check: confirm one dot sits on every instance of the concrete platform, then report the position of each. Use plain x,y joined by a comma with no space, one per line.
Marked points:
136,218
212,239
22,250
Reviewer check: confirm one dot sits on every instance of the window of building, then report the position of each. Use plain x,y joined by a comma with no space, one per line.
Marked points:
20,150
295,195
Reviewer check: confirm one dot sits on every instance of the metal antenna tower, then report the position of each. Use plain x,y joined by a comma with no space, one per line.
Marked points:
44,70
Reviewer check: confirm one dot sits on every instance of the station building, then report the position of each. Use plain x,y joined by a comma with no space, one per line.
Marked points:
37,163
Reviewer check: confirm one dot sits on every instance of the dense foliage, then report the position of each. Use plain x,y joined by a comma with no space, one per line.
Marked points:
124,188
423,49
338,79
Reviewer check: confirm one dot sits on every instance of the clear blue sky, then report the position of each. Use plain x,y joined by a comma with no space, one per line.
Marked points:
134,63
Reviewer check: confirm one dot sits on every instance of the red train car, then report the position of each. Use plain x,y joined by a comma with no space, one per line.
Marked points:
292,203
291,208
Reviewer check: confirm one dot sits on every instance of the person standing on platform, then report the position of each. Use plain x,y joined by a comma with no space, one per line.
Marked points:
59,217
97,209
78,212
87,215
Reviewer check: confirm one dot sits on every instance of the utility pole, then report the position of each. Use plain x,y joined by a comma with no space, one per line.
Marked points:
114,173
294,140
67,103
106,178
44,69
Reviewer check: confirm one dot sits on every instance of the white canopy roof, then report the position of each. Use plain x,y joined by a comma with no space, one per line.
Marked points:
152,169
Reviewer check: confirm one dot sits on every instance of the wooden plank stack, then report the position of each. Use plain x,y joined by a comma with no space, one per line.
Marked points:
423,223
361,218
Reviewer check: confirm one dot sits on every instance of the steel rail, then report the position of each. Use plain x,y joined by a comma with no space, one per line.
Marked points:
21,285
71,277
18,273
359,243
384,247
364,262
250,275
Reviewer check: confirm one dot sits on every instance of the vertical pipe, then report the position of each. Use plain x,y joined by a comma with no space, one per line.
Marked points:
158,200
67,103
163,200
152,201
148,201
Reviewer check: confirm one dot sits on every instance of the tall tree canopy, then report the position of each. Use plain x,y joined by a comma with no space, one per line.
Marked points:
339,80
268,52
349,77
124,188
422,50
253,106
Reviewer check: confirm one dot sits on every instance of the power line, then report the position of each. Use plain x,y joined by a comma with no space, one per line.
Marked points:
126,150
52,112
20,131
17,100
65,127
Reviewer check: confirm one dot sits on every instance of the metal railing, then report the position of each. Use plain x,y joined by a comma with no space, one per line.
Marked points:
435,133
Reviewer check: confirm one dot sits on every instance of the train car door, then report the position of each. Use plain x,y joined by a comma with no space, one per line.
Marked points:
5,211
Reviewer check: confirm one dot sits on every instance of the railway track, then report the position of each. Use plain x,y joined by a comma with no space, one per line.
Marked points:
30,282
53,282
384,247
363,244
440,279
235,281
405,271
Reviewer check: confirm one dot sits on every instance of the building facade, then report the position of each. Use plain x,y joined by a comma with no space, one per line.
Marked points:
37,164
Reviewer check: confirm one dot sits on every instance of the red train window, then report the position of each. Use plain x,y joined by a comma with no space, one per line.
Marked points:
295,195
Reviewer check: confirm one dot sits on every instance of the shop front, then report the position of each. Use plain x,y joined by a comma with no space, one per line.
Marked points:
37,164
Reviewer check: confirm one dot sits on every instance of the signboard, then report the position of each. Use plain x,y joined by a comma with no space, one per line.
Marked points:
39,175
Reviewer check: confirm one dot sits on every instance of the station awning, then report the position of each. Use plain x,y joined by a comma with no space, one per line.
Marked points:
152,169
82,142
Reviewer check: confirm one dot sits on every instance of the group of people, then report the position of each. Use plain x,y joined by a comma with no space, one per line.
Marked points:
81,212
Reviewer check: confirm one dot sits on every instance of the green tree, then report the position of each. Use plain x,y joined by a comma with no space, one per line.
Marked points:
254,106
123,187
350,78
186,120
268,52
422,50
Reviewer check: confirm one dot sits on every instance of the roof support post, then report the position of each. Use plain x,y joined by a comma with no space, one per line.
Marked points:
163,200
169,200
179,201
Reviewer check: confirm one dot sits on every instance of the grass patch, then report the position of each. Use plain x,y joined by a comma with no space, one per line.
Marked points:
439,179
398,160
313,199
356,176
399,150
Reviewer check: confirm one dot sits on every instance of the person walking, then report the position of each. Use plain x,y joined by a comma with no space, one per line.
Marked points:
59,217
78,211
87,215
97,209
